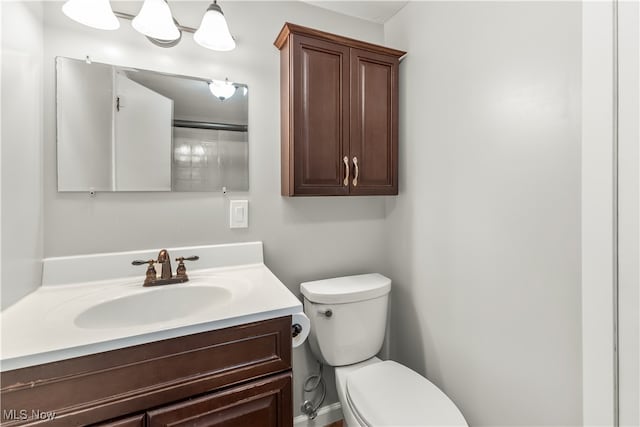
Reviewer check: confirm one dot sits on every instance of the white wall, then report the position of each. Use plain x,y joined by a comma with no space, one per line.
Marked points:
597,214
629,211
485,236
610,194
304,238
21,118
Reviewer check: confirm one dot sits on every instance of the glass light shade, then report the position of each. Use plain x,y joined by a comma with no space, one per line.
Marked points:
214,32
92,13
155,21
222,90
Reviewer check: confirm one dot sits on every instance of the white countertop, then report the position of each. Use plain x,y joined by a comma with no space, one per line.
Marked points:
43,327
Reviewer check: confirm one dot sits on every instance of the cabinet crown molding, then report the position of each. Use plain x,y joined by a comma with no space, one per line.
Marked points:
290,28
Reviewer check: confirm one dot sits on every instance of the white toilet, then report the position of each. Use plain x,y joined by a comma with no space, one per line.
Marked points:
348,321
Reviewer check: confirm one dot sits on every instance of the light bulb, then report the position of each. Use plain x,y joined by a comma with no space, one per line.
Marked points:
92,13
222,89
214,32
155,21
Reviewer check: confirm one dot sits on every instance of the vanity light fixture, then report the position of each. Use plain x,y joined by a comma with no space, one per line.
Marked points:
214,32
222,89
155,21
92,13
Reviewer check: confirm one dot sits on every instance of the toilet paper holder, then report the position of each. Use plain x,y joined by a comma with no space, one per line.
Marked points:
300,326
295,330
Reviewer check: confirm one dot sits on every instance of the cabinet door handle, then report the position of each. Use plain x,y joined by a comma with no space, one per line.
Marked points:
346,172
355,179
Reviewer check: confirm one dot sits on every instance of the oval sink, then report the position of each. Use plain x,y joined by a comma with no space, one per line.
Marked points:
152,306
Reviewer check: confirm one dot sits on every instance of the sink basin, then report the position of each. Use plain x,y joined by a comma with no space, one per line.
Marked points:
152,306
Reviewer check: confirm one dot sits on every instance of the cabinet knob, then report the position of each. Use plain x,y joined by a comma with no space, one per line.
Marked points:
345,159
355,164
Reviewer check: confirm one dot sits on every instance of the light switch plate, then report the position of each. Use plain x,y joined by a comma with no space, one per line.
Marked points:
239,214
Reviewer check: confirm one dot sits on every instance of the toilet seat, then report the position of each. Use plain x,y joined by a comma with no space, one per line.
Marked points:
390,394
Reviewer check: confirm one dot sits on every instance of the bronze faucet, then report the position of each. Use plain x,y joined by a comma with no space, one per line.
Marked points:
163,258
166,277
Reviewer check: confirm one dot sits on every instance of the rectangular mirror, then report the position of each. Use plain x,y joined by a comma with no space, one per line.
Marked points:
125,129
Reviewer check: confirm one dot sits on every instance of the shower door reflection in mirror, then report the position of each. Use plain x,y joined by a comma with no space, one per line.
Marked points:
126,129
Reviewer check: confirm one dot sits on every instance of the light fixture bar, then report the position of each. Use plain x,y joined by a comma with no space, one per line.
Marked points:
213,32
130,17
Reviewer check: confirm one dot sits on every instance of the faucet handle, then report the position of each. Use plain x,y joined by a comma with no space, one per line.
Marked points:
190,258
181,271
150,276
141,262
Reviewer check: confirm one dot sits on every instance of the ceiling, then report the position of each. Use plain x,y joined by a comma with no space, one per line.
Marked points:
375,11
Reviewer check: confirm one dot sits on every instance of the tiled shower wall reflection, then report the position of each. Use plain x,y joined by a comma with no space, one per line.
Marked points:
208,160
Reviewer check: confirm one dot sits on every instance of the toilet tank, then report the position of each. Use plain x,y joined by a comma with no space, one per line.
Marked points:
348,317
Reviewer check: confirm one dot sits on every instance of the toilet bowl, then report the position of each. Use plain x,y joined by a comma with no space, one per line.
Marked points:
386,393
348,321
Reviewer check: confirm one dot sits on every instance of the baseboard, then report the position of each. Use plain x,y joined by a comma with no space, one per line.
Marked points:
326,415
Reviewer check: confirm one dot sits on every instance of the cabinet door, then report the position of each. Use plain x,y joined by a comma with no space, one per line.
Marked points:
265,403
130,421
374,123
320,116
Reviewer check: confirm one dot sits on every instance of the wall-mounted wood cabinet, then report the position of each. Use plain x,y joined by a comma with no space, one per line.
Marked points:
339,100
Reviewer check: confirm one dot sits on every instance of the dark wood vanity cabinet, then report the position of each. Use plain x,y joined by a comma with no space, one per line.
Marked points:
339,101
238,376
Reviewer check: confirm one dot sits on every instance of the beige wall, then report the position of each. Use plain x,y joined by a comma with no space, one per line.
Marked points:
485,235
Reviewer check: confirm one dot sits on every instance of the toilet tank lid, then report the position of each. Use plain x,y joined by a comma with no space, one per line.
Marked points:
346,289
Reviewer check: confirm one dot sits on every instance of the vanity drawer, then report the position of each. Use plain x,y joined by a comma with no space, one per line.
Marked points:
107,385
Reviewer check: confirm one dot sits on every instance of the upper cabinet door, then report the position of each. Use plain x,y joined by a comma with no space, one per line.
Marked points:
374,123
320,116
339,101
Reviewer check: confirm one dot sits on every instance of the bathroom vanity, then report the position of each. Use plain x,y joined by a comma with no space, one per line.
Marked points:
95,353
233,376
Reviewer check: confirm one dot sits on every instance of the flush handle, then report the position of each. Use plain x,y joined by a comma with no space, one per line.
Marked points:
355,179
326,313
346,171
